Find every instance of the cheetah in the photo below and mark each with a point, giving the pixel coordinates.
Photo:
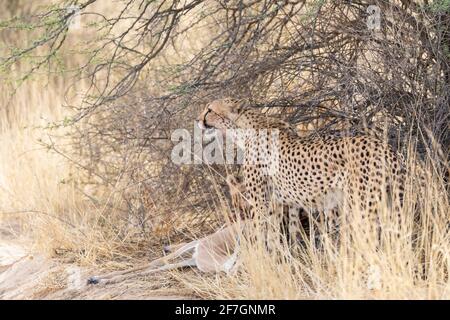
(313, 173)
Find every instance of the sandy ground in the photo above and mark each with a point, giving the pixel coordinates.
(24, 275)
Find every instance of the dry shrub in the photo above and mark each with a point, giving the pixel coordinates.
(310, 62)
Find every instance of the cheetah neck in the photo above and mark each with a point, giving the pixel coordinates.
(251, 119)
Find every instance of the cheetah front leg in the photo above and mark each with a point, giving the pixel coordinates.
(260, 196)
(256, 185)
(239, 201)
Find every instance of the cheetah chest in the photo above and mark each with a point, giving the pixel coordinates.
(308, 185)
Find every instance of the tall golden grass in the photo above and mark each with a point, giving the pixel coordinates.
(41, 191)
(414, 264)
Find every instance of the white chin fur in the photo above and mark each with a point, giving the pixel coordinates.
(210, 134)
(201, 125)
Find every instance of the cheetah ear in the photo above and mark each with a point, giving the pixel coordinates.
(238, 105)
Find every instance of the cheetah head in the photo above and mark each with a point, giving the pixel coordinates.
(220, 114)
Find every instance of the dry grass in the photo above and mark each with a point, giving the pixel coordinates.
(43, 192)
(400, 269)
